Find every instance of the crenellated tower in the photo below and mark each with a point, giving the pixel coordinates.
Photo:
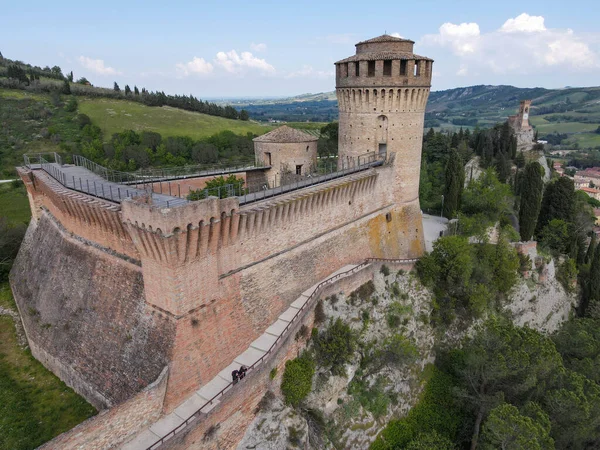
(382, 92)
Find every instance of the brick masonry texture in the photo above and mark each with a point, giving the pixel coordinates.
(85, 316)
(117, 424)
(111, 294)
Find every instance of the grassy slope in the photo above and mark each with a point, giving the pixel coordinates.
(14, 204)
(118, 115)
(35, 405)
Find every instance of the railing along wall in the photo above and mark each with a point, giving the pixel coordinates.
(279, 340)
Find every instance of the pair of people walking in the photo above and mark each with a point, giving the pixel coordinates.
(239, 374)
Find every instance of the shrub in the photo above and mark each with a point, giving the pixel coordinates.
(397, 350)
(385, 270)
(320, 315)
(297, 379)
(273, 373)
(365, 291)
(567, 273)
(335, 346)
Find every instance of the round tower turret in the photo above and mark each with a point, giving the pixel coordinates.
(382, 92)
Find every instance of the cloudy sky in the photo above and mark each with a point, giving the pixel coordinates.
(266, 48)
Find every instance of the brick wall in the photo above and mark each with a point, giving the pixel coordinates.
(85, 315)
(117, 424)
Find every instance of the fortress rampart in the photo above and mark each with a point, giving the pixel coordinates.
(111, 293)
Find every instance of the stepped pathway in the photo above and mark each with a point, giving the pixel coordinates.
(205, 399)
(83, 180)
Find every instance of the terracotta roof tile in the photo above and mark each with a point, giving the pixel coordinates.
(286, 134)
(385, 38)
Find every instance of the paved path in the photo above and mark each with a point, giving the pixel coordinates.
(199, 403)
(81, 179)
(432, 226)
(6, 181)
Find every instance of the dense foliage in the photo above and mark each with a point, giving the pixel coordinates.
(297, 379)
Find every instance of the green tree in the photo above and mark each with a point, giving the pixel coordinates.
(520, 160)
(578, 341)
(70, 77)
(430, 441)
(531, 189)
(589, 255)
(594, 285)
(555, 236)
(127, 89)
(455, 180)
(136, 91)
(84, 81)
(502, 361)
(244, 115)
(557, 203)
(335, 345)
(66, 88)
(506, 265)
(507, 428)
(116, 87)
(297, 379)
(219, 187)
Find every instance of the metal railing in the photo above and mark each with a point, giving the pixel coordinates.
(288, 182)
(311, 299)
(33, 159)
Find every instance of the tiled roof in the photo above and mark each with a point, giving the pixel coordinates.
(385, 38)
(376, 56)
(285, 134)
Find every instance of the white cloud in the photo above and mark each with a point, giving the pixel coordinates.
(397, 35)
(521, 45)
(309, 72)
(258, 47)
(524, 23)
(462, 39)
(195, 66)
(97, 65)
(234, 63)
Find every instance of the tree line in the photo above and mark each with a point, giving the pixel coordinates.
(24, 76)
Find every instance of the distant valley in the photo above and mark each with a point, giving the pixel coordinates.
(569, 116)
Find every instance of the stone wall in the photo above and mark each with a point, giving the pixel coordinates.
(85, 315)
(284, 157)
(226, 272)
(117, 424)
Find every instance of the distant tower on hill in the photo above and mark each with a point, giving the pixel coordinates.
(382, 92)
(520, 125)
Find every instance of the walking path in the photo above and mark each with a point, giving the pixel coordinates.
(205, 399)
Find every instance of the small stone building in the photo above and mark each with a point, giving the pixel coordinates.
(290, 153)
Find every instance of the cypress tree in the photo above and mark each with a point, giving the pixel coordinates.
(594, 280)
(66, 89)
(531, 188)
(558, 203)
(455, 179)
(589, 256)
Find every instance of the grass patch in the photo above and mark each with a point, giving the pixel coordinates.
(35, 405)
(6, 299)
(114, 116)
(14, 204)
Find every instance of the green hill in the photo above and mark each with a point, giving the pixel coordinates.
(571, 111)
(118, 115)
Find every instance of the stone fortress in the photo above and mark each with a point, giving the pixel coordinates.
(141, 304)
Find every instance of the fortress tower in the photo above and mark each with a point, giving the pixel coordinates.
(382, 92)
(521, 127)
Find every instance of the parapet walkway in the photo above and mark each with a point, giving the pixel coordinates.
(207, 397)
(83, 180)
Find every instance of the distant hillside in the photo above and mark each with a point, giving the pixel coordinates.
(568, 116)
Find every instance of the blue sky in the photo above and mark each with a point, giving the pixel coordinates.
(255, 49)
